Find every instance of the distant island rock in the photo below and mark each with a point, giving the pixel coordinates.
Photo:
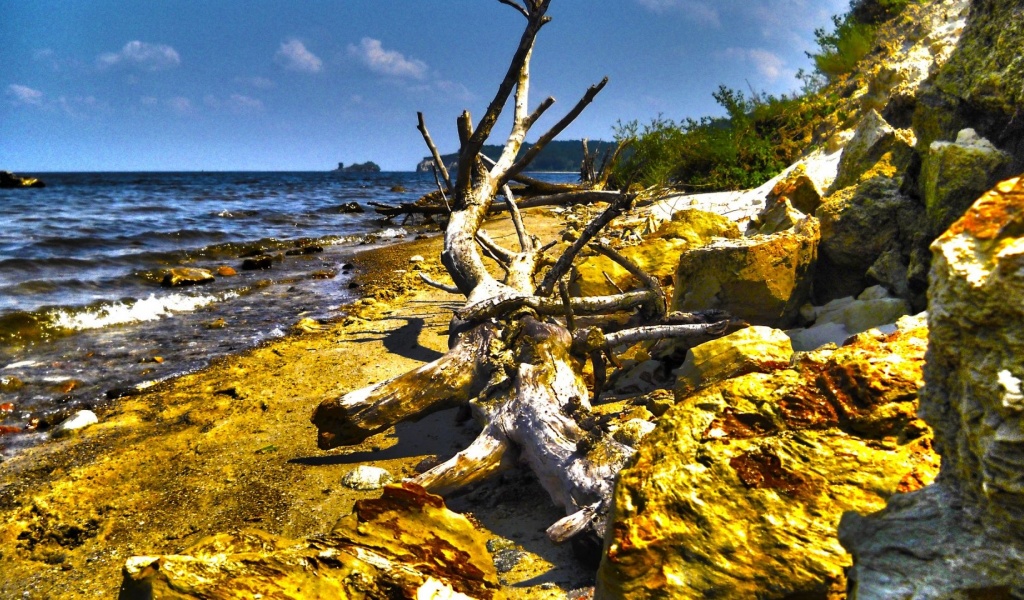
(10, 180)
(366, 167)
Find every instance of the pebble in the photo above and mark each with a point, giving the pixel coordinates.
(226, 271)
(366, 478)
(416, 259)
(79, 420)
(187, 276)
(264, 261)
(506, 560)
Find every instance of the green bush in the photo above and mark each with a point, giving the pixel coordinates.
(759, 137)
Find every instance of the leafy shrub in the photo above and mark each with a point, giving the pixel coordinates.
(759, 137)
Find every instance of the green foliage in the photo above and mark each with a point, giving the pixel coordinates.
(759, 137)
(852, 36)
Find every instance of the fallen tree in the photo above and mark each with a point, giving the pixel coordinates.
(516, 353)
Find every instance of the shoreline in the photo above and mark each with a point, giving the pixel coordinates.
(230, 447)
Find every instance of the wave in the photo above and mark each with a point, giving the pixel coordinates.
(147, 309)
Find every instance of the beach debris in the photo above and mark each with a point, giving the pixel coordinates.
(77, 421)
(182, 276)
(366, 478)
(519, 344)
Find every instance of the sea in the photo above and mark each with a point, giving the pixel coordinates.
(85, 318)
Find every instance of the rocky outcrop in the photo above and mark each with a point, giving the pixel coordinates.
(738, 490)
(405, 544)
(751, 350)
(763, 279)
(963, 536)
(873, 228)
(658, 254)
(955, 174)
(9, 180)
(876, 148)
(840, 319)
(366, 167)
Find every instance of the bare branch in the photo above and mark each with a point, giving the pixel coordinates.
(499, 253)
(543, 141)
(564, 262)
(525, 243)
(611, 282)
(422, 126)
(487, 455)
(649, 282)
(537, 112)
(520, 9)
(496, 306)
(569, 527)
(660, 332)
(570, 320)
(451, 289)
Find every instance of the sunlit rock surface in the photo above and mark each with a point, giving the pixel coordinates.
(405, 544)
(963, 537)
(762, 279)
(738, 491)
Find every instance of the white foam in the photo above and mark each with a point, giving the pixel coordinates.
(21, 363)
(148, 309)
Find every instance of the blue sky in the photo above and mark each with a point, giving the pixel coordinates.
(112, 85)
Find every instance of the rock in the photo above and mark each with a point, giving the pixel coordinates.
(183, 276)
(780, 217)
(256, 263)
(406, 544)
(351, 207)
(954, 174)
(307, 325)
(226, 271)
(876, 148)
(10, 383)
(963, 536)
(366, 167)
(218, 323)
(842, 318)
(981, 85)
(762, 279)
(9, 180)
(859, 225)
(738, 490)
(79, 420)
(750, 350)
(799, 188)
(658, 254)
(416, 259)
(323, 274)
(366, 478)
(398, 189)
(309, 249)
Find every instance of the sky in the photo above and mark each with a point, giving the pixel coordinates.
(279, 85)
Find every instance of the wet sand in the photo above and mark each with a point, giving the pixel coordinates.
(231, 447)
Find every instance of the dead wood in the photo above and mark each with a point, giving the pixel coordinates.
(516, 356)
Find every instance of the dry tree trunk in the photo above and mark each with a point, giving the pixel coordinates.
(511, 360)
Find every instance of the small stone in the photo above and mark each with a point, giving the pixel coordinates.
(11, 384)
(307, 325)
(79, 420)
(506, 560)
(187, 276)
(217, 324)
(323, 274)
(366, 478)
(226, 271)
(416, 259)
(398, 189)
(261, 262)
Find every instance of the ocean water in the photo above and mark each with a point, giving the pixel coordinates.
(84, 318)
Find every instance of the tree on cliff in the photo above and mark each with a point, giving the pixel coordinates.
(516, 353)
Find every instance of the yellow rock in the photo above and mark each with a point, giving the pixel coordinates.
(753, 349)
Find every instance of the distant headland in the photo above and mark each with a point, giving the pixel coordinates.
(366, 167)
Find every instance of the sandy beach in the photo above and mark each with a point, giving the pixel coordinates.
(231, 447)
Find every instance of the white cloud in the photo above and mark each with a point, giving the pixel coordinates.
(768, 64)
(180, 105)
(241, 103)
(260, 83)
(145, 56)
(696, 10)
(387, 62)
(294, 56)
(23, 94)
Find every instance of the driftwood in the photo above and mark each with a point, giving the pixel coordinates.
(516, 357)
